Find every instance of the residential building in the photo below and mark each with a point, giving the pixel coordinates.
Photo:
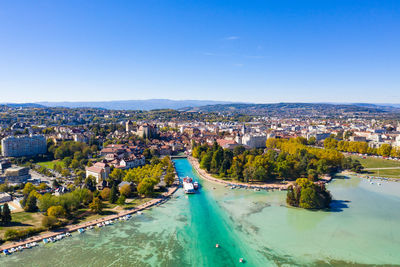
(99, 170)
(25, 145)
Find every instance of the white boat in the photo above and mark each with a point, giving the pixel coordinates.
(188, 186)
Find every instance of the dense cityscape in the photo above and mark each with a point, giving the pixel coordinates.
(199, 133)
(61, 164)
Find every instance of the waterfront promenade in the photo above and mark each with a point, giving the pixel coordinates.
(75, 227)
(208, 177)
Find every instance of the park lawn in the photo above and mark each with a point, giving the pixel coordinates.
(50, 164)
(23, 220)
(371, 162)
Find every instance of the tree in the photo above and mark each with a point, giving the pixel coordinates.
(121, 200)
(169, 178)
(42, 186)
(67, 161)
(96, 205)
(312, 175)
(146, 187)
(205, 162)
(28, 188)
(46, 201)
(126, 190)
(105, 193)
(260, 174)
(49, 222)
(312, 141)
(56, 211)
(90, 183)
(74, 164)
(5, 215)
(384, 150)
(117, 175)
(113, 194)
(308, 198)
(30, 205)
(83, 195)
(65, 173)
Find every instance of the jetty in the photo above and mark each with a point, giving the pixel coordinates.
(75, 227)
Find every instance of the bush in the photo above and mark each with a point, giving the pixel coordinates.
(50, 222)
(13, 234)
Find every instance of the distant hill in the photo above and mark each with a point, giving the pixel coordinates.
(23, 105)
(135, 104)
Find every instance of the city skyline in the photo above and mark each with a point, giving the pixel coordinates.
(266, 52)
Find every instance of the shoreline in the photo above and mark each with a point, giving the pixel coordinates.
(75, 227)
(203, 174)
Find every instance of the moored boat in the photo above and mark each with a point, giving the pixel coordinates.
(188, 186)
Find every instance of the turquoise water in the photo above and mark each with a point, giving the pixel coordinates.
(363, 229)
(9, 206)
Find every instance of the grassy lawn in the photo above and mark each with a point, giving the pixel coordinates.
(50, 164)
(23, 220)
(370, 162)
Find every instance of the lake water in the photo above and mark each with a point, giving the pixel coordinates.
(362, 229)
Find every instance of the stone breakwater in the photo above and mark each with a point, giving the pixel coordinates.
(75, 227)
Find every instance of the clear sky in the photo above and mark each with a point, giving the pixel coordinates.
(256, 51)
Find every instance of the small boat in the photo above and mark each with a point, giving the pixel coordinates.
(241, 260)
(217, 245)
(45, 241)
(81, 230)
(139, 212)
(6, 252)
(196, 185)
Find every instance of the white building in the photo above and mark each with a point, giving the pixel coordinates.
(252, 140)
(24, 145)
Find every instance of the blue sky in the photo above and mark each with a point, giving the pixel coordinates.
(256, 51)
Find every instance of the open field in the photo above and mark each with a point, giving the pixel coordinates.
(23, 220)
(376, 163)
(50, 164)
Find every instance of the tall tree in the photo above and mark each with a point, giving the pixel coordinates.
(6, 215)
(113, 194)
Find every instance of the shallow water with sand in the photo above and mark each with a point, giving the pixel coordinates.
(363, 228)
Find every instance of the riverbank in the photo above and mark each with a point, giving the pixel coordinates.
(75, 227)
(266, 186)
